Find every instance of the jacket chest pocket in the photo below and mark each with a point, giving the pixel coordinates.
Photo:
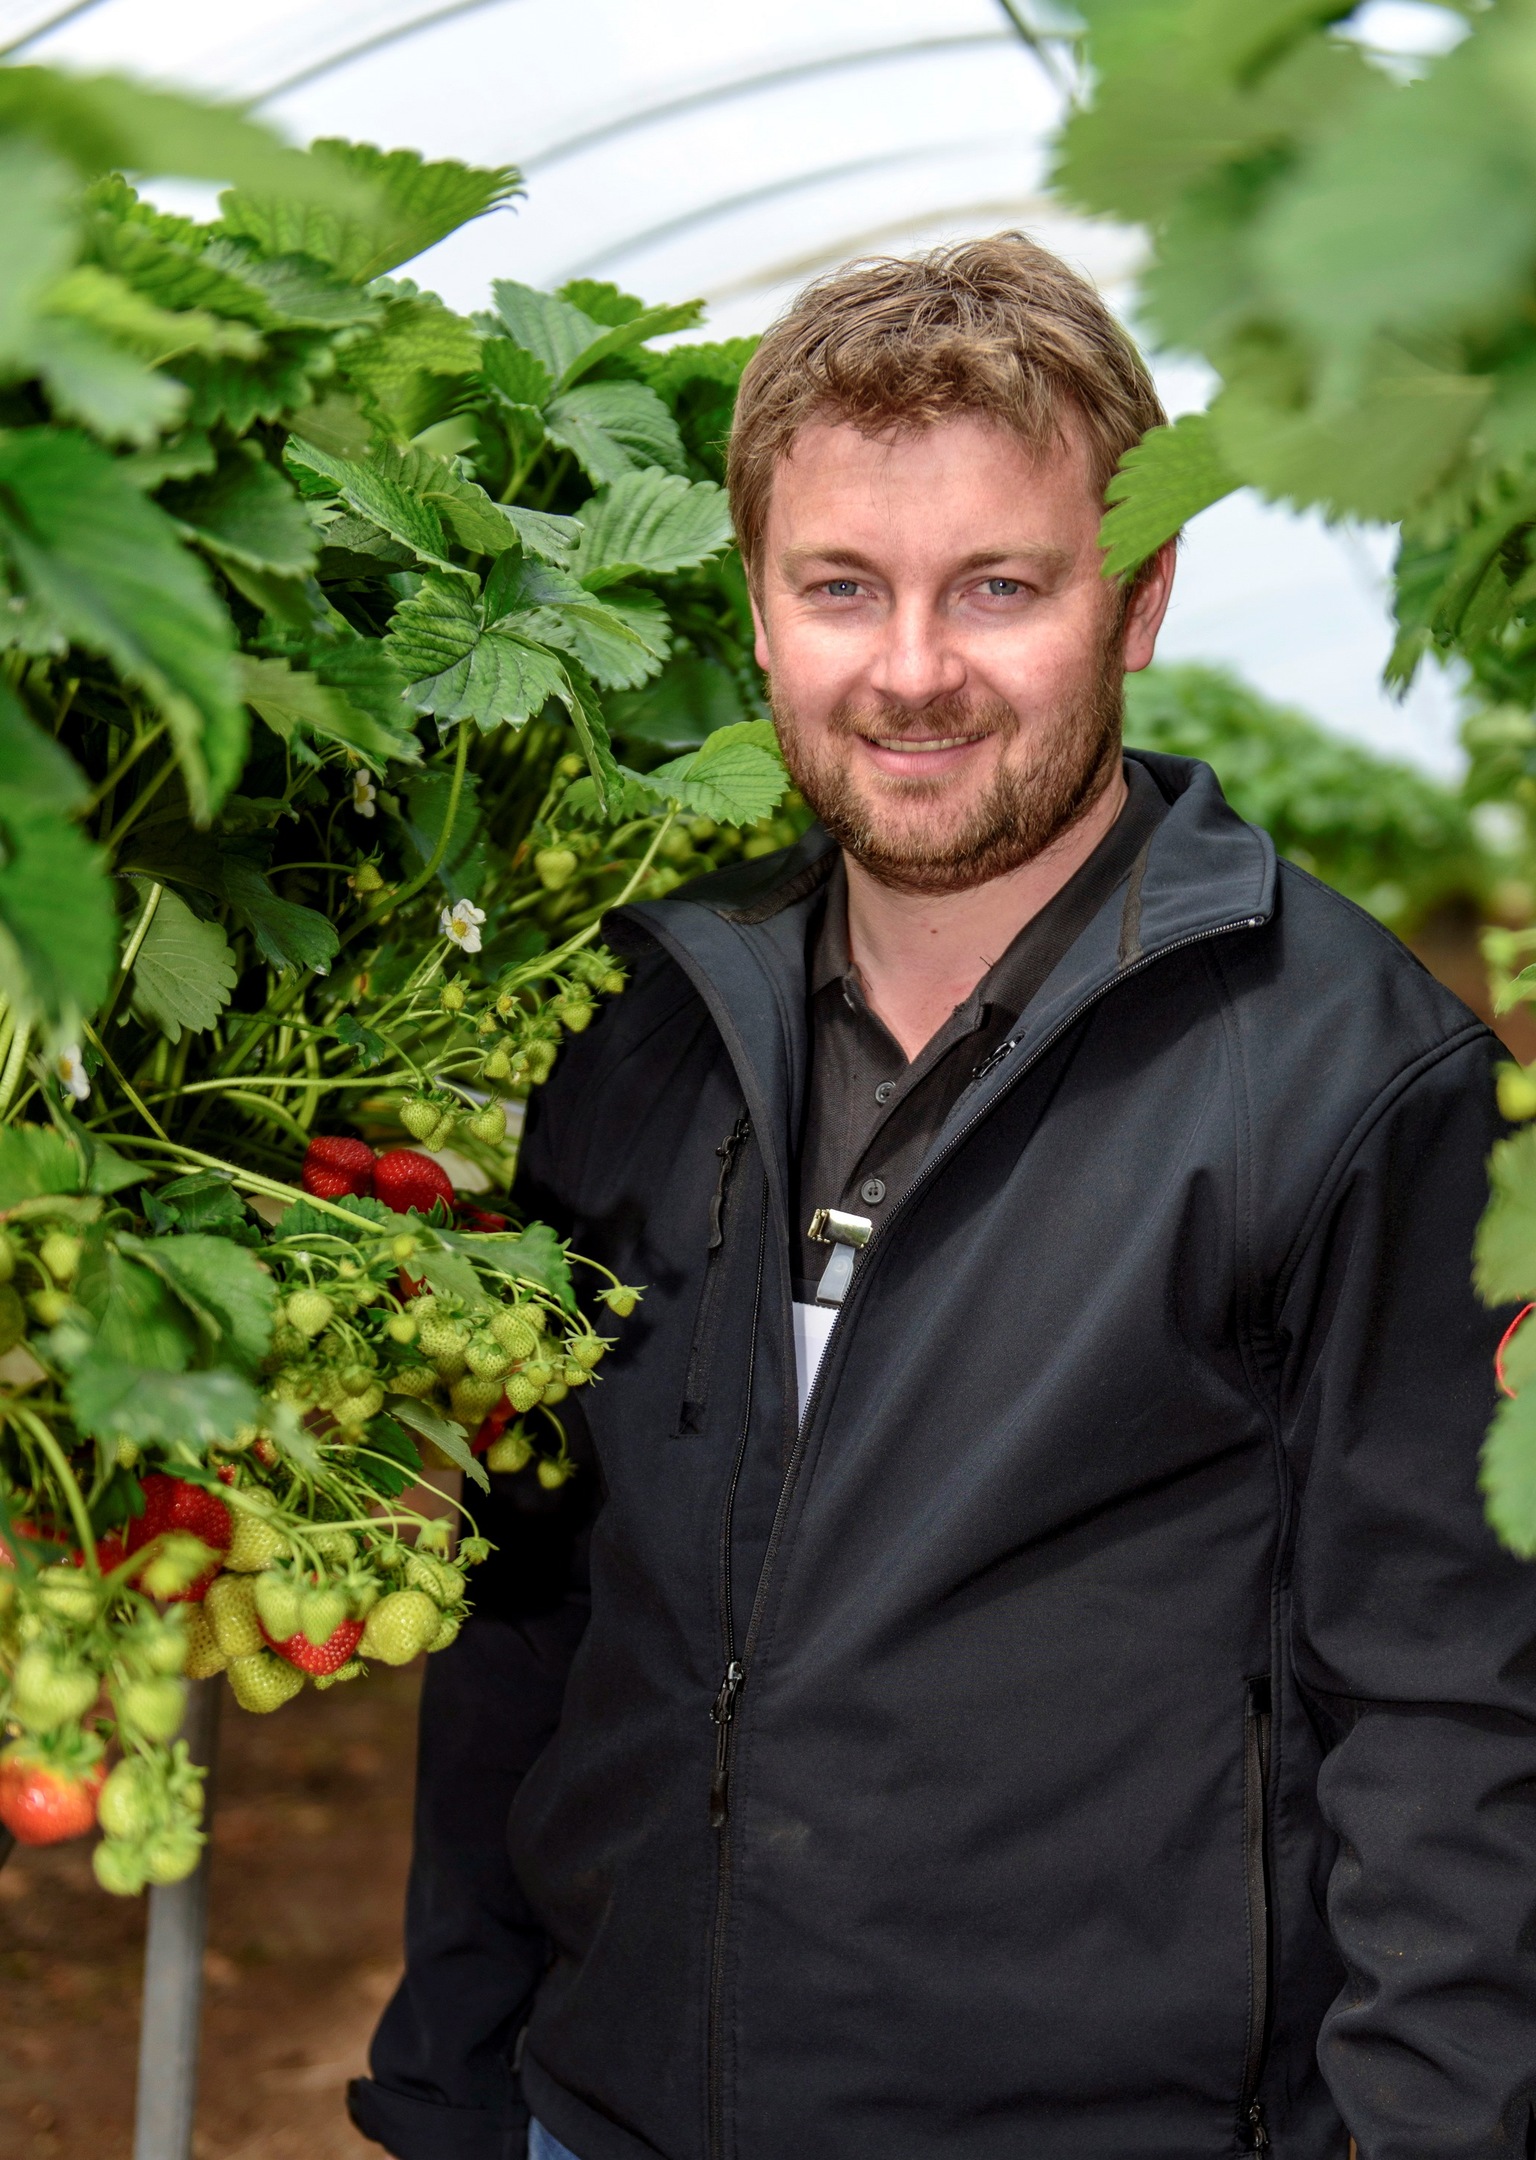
(723, 1210)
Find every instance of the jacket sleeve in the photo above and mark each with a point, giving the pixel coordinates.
(443, 2085)
(1415, 1635)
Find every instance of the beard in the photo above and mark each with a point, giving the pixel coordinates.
(901, 831)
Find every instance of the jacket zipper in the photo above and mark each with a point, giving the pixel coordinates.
(690, 1416)
(722, 1713)
(1256, 1733)
(724, 1708)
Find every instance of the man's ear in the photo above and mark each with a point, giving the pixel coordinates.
(759, 633)
(1146, 608)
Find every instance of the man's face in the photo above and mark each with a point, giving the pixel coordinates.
(946, 658)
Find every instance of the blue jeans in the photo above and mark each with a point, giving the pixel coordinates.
(541, 2146)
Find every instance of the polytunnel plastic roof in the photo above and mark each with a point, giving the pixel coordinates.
(719, 149)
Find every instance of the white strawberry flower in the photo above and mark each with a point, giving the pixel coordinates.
(460, 925)
(364, 794)
(69, 1069)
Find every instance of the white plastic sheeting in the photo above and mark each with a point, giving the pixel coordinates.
(729, 150)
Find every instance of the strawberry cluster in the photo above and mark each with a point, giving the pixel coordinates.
(338, 1167)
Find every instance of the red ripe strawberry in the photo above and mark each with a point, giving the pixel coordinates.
(41, 1803)
(326, 1657)
(492, 1428)
(403, 1180)
(335, 1165)
(170, 1503)
(479, 1219)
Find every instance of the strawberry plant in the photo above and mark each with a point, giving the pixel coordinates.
(1345, 237)
(355, 657)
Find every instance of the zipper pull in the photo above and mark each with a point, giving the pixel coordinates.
(1258, 2136)
(722, 1713)
(727, 1151)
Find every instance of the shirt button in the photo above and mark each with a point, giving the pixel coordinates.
(885, 1091)
(872, 1190)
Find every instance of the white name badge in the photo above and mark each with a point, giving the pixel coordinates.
(813, 1324)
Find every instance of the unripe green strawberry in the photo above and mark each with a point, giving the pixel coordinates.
(153, 1707)
(264, 1682)
(400, 1327)
(474, 1399)
(541, 1062)
(444, 1584)
(231, 1609)
(447, 1628)
(522, 1394)
(182, 1558)
(400, 1627)
(402, 1247)
(204, 1657)
(512, 1330)
(119, 1867)
(255, 1545)
(358, 1379)
(443, 1131)
(277, 1604)
(49, 1306)
(554, 867)
(574, 1375)
(498, 1066)
(7, 1256)
(353, 1411)
(556, 1392)
(574, 1010)
(587, 1350)
(512, 1452)
(490, 1124)
(417, 1380)
(321, 1613)
(47, 1691)
(287, 1344)
(171, 1857)
(552, 1475)
(419, 1116)
(309, 1311)
(451, 997)
(60, 1255)
(352, 1670)
(621, 1299)
(485, 1357)
(68, 1592)
(125, 1453)
(165, 1644)
(539, 1370)
(366, 879)
(336, 1545)
(13, 1318)
(130, 1804)
(612, 982)
(441, 1337)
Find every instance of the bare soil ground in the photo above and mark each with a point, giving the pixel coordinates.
(310, 1848)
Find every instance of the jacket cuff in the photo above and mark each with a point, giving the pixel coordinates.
(413, 2129)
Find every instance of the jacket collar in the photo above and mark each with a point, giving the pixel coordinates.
(742, 938)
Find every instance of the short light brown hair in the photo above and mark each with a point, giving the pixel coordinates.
(998, 327)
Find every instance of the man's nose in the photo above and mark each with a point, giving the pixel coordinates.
(917, 659)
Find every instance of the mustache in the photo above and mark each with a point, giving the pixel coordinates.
(945, 716)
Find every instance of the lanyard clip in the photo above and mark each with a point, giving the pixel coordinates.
(845, 1234)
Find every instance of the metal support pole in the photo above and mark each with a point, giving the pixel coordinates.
(173, 1974)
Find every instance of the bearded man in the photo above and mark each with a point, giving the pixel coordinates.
(1042, 1687)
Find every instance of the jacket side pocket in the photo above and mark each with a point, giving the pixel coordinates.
(1252, 2134)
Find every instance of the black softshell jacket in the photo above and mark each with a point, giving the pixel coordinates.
(1105, 1727)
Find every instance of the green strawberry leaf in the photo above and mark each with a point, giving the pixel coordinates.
(1172, 473)
(612, 428)
(184, 973)
(736, 776)
(185, 1412)
(433, 1426)
(286, 935)
(223, 1286)
(34, 1161)
(246, 512)
(459, 670)
(650, 522)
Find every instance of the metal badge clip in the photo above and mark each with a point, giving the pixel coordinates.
(845, 1234)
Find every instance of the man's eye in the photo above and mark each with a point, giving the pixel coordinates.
(842, 588)
(1003, 588)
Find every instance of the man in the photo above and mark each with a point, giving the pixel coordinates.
(1049, 1688)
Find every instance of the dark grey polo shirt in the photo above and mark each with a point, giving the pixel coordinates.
(871, 1116)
